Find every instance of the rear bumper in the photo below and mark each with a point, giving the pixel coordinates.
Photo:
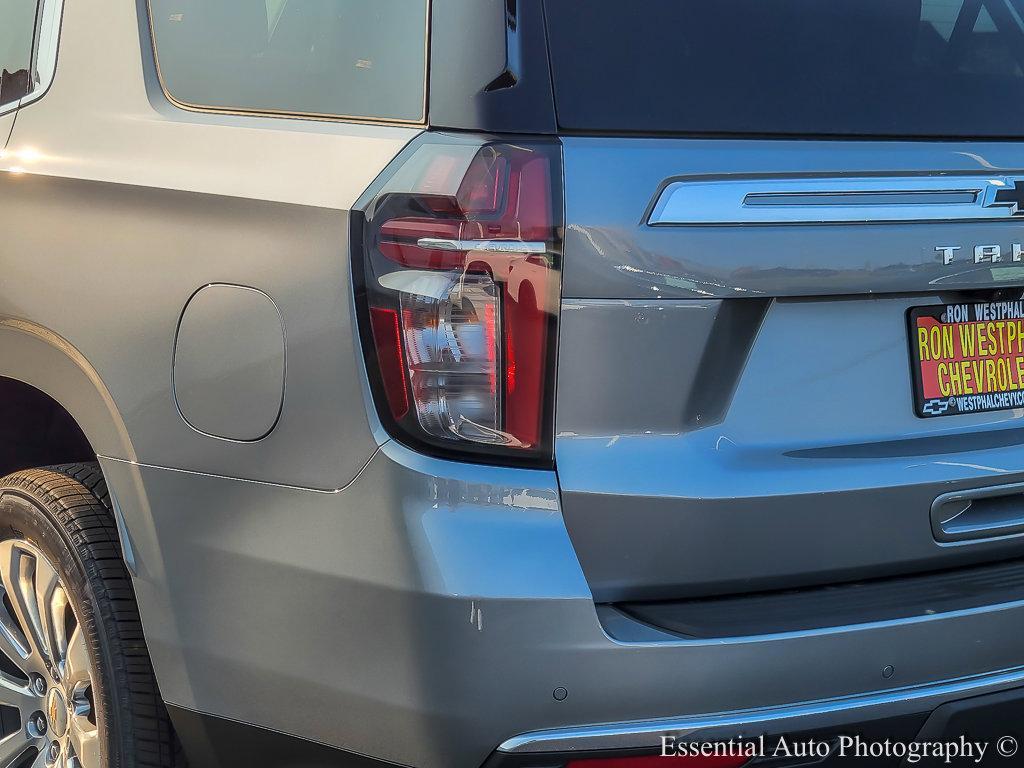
(982, 730)
(852, 712)
(428, 612)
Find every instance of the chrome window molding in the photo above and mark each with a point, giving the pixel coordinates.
(244, 112)
(44, 53)
(701, 201)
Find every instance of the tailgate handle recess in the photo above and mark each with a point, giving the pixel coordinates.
(981, 513)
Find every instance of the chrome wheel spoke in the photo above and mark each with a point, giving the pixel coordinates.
(76, 660)
(57, 610)
(18, 570)
(85, 744)
(15, 693)
(26, 603)
(13, 641)
(46, 583)
(13, 747)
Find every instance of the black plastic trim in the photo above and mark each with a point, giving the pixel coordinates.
(472, 86)
(723, 361)
(989, 719)
(216, 742)
(850, 604)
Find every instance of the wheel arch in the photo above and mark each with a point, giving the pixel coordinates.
(49, 363)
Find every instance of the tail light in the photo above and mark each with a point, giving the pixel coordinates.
(459, 288)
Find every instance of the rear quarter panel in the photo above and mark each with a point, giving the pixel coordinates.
(118, 207)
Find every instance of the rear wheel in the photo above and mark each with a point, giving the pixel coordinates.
(76, 685)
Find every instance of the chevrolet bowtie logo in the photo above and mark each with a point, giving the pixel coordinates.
(1011, 197)
(937, 407)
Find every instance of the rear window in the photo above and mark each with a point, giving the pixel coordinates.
(344, 58)
(928, 68)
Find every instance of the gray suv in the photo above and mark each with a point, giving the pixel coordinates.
(509, 383)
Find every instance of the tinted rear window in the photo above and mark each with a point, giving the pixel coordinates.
(347, 58)
(929, 68)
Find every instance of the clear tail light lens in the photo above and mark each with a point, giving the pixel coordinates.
(459, 288)
(452, 344)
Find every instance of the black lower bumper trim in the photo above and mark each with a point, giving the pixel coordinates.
(215, 742)
(799, 610)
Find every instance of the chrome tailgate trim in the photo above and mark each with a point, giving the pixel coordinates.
(811, 200)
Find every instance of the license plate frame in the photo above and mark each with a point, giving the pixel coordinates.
(969, 334)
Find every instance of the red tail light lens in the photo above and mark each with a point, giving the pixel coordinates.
(459, 284)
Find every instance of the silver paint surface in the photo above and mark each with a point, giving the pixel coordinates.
(443, 602)
(326, 570)
(819, 471)
(228, 371)
(612, 185)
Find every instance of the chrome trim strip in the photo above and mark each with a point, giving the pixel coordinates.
(702, 201)
(490, 246)
(45, 54)
(647, 734)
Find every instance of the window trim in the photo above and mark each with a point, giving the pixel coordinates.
(49, 17)
(291, 114)
(47, 41)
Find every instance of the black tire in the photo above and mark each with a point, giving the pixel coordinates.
(65, 512)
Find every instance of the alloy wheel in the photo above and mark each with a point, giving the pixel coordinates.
(49, 679)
